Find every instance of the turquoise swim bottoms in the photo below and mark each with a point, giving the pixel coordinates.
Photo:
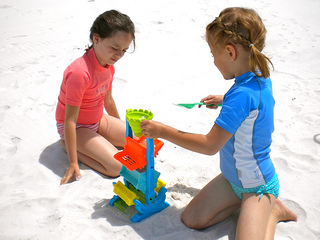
(271, 187)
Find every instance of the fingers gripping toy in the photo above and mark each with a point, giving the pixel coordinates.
(142, 186)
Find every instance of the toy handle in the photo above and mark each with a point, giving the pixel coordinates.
(201, 103)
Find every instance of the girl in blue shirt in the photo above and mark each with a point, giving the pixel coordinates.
(241, 133)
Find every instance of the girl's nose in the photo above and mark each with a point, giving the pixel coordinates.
(120, 53)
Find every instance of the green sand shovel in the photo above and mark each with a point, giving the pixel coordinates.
(191, 105)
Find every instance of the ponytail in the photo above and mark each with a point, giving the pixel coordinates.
(258, 62)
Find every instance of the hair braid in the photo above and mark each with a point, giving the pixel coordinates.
(241, 26)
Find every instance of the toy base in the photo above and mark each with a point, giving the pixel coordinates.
(140, 216)
(146, 210)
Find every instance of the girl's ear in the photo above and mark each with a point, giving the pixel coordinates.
(231, 51)
(95, 38)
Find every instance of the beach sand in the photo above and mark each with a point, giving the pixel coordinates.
(171, 64)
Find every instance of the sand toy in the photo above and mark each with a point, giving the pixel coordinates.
(142, 187)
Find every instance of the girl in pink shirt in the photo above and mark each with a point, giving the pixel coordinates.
(87, 134)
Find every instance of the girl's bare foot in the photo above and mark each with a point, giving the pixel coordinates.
(283, 213)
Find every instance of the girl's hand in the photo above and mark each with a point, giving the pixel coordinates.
(212, 101)
(73, 170)
(151, 129)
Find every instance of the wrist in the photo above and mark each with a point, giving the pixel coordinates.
(73, 163)
(162, 131)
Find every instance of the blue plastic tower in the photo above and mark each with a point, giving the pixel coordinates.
(150, 201)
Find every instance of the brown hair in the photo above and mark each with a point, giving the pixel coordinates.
(108, 23)
(241, 26)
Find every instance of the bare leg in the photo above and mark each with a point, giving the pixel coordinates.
(279, 213)
(96, 150)
(254, 215)
(93, 149)
(91, 162)
(214, 203)
(113, 129)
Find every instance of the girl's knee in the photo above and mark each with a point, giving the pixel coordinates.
(186, 220)
(113, 175)
(190, 221)
(114, 172)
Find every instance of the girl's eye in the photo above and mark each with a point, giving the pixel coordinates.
(117, 50)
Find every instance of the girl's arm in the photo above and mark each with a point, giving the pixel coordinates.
(110, 105)
(71, 116)
(208, 144)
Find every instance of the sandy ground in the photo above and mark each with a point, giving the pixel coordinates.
(171, 64)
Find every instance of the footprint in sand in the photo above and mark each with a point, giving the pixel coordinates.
(14, 145)
(2, 111)
(5, 6)
(9, 145)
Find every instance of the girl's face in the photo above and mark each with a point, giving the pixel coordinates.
(221, 61)
(109, 50)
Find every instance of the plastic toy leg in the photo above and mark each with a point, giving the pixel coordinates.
(113, 199)
(145, 211)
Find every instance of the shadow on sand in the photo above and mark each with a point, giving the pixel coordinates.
(55, 158)
(165, 224)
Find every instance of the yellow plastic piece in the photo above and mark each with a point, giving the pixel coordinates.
(160, 184)
(124, 193)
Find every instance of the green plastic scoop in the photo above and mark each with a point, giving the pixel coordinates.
(191, 105)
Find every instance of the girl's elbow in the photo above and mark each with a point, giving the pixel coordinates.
(210, 151)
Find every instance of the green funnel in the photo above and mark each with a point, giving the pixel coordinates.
(134, 118)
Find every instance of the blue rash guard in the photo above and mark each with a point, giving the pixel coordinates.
(247, 113)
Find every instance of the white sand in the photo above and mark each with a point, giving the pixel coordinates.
(171, 64)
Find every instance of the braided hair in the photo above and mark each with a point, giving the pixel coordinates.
(241, 26)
